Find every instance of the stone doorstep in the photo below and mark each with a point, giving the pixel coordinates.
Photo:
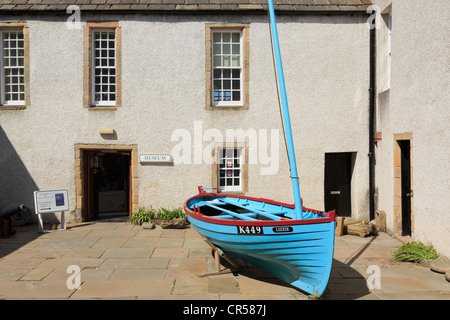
(440, 265)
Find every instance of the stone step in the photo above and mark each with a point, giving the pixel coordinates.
(441, 264)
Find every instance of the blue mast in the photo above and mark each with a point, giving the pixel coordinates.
(286, 118)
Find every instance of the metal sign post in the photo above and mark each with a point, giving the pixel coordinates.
(48, 202)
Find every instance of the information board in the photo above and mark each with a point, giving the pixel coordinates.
(51, 201)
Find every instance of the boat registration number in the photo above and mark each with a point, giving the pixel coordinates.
(252, 230)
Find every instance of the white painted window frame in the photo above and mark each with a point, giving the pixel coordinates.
(240, 68)
(105, 103)
(2, 73)
(232, 168)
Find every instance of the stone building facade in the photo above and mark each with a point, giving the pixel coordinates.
(96, 96)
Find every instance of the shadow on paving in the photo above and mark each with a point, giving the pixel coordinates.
(345, 282)
(23, 236)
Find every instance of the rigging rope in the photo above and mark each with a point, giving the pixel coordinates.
(278, 90)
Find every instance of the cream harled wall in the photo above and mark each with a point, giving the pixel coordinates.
(417, 104)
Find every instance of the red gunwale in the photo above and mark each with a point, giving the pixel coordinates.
(327, 216)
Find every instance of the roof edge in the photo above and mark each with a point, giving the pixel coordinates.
(187, 8)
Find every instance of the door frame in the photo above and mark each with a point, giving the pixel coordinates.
(398, 219)
(82, 176)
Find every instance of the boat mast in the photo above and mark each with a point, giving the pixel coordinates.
(286, 118)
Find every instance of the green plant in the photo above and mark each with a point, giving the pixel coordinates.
(415, 252)
(141, 216)
(168, 214)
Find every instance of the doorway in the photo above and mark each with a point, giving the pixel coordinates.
(107, 180)
(405, 165)
(403, 193)
(338, 177)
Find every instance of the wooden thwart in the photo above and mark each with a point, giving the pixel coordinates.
(217, 254)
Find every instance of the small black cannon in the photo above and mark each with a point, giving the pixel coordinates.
(7, 220)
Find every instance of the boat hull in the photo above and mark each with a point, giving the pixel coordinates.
(299, 252)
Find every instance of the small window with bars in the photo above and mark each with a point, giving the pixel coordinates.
(12, 68)
(230, 169)
(227, 68)
(103, 68)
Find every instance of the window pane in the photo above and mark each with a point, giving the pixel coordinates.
(217, 61)
(216, 36)
(226, 61)
(226, 37)
(217, 49)
(226, 49)
(226, 96)
(236, 37)
(236, 61)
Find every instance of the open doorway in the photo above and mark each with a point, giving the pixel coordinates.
(110, 176)
(403, 182)
(107, 183)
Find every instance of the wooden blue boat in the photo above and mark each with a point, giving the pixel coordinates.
(291, 242)
(265, 234)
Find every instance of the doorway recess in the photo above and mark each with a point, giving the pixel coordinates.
(106, 181)
(403, 185)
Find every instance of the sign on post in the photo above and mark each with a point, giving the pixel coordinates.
(51, 201)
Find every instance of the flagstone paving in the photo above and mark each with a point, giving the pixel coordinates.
(117, 260)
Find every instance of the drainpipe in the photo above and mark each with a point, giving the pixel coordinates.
(372, 122)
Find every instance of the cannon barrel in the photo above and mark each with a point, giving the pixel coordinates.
(7, 214)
